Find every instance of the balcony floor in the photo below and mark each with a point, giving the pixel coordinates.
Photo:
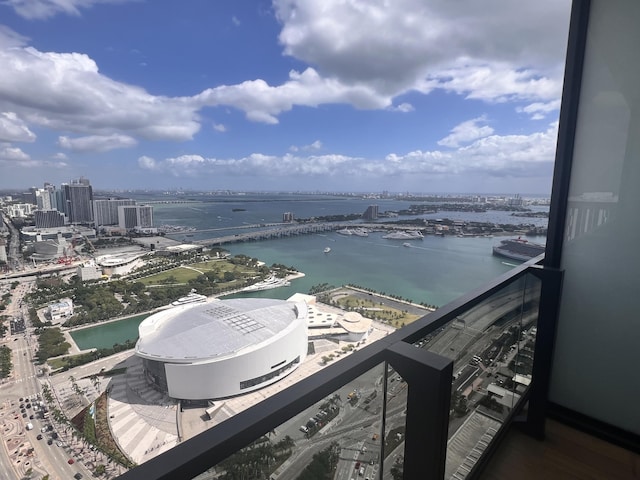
(565, 454)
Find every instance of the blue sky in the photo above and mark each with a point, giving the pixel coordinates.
(328, 95)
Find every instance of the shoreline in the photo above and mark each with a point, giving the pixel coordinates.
(74, 349)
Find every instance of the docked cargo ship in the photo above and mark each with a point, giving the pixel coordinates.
(518, 249)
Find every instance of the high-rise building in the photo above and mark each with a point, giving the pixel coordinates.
(48, 218)
(371, 213)
(287, 217)
(79, 198)
(60, 202)
(105, 211)
(135, 216)
(3, 251)
(30, 196)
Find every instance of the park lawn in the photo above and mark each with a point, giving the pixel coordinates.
(175, 275)
(182, 274)
(392, 316)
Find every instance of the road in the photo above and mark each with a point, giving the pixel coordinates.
(21, 449)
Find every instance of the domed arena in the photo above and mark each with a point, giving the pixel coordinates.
(222, 348)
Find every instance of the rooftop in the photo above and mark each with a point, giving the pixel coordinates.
(217, 328)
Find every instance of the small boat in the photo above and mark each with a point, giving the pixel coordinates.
(327, 249)
(406, 244)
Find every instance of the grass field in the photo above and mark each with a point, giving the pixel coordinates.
(182, 274)
(371, 309)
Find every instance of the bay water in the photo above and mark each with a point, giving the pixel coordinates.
(434, 270)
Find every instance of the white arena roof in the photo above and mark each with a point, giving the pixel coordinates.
(215, 329)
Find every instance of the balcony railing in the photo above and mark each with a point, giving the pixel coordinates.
(427, 401)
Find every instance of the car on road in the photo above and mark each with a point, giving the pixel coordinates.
(77, 476)
(39, 437)
(71, 461)
(49, 442)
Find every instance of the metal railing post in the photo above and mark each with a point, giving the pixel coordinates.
(428, 377)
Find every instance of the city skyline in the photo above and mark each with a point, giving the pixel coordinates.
(282, 95)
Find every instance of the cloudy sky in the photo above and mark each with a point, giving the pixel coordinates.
(341, 95)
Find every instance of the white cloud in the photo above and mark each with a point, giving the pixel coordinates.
(66, 91)
(256, 164)
(59, 156)
(13, 129)
(394, 50)
(539, 110)
(96, 143)
(14, 157)
(494, 82)
(403, 107)
(219, 127)
(493, 155)
(41, 9)
(13, 154)
(364, 54)
(466, 132)
(235, 21)
(10, 38)
(317, 145)
(147, 163)
(262, 102)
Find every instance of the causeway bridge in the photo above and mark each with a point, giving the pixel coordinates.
(266, 231)
(269, 231)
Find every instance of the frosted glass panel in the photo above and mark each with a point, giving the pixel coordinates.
(597, 354)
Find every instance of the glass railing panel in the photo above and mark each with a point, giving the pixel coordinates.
(519, 362)
(491, 345)
(338, 435)
(395, 424)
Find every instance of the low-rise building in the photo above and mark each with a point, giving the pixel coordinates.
(89, 271)
(61, 310)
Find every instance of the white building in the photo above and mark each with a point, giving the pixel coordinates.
(61, 310)
(20, 209)
(89, 271)
(3, 251)
(119, 264)
(222, 348)
(105, 211)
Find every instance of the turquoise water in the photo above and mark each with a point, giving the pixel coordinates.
(435, 270)
(108, 334)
